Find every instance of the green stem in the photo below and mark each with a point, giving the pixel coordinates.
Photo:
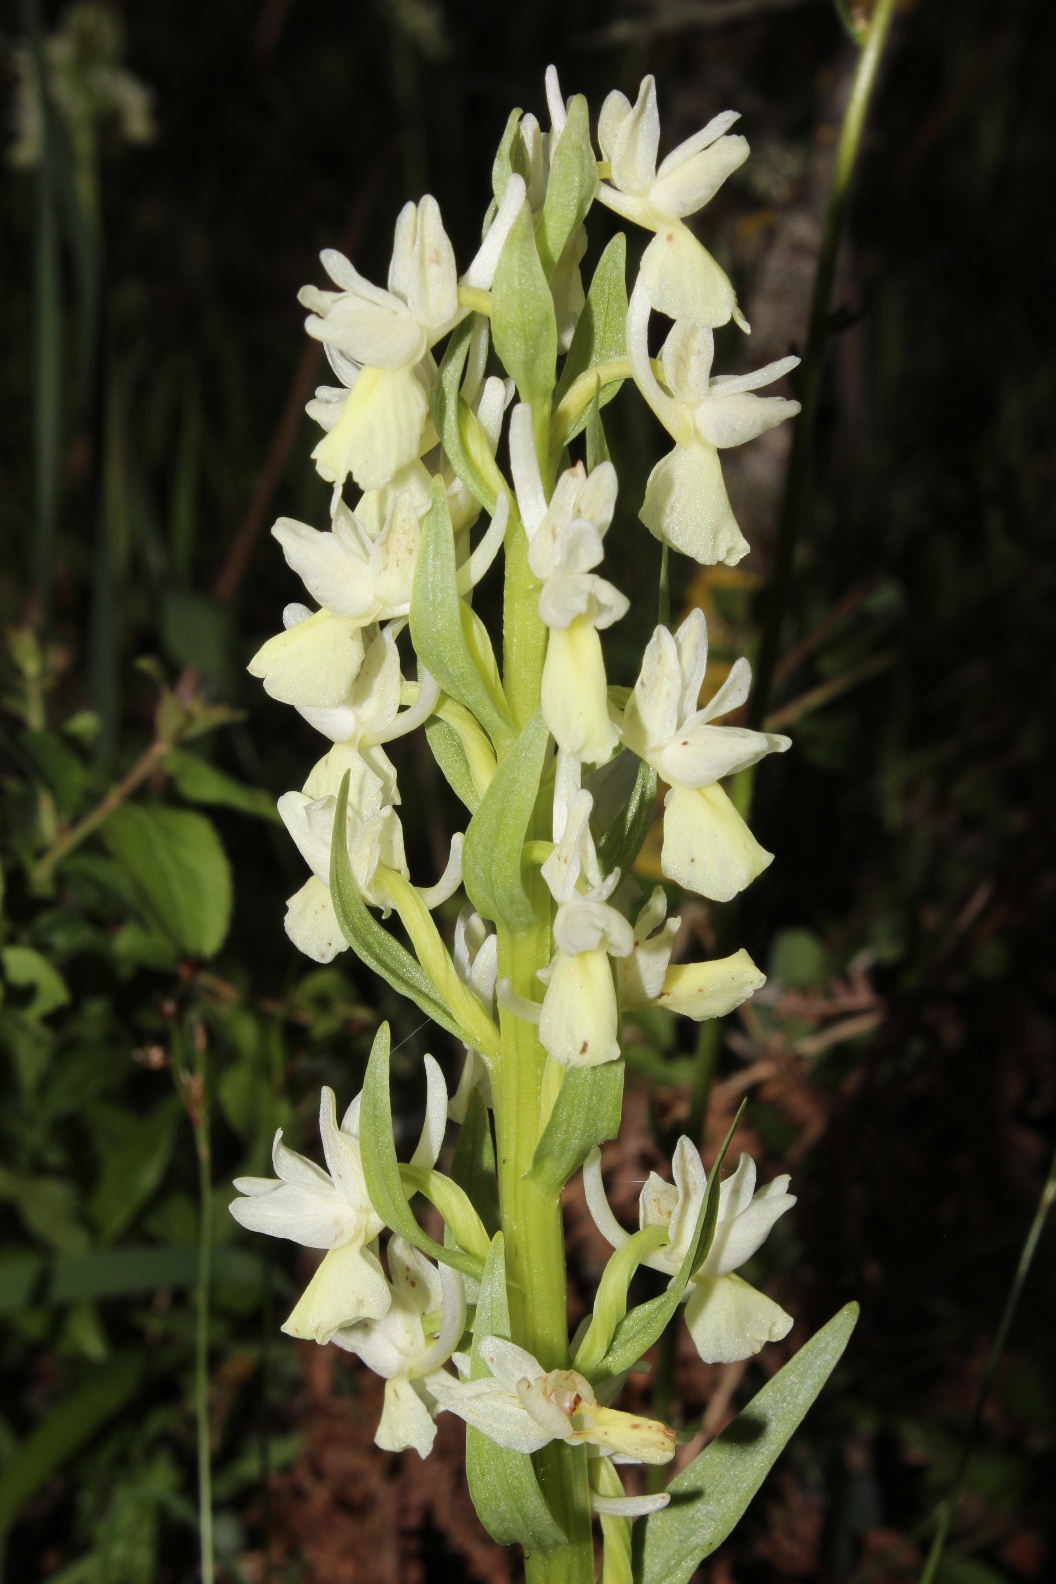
(1026, 1258)
(531, 1214)
(147, 762)
(203, 1141)
(798, 488)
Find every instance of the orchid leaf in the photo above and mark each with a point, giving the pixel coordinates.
(711, 1493)
(382, 1169)
(586, 1112)
(523, 322)
(437, 625)
(491, 859)
(571, 186)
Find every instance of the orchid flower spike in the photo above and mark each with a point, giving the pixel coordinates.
(707, 846)
(686, 505)
(727, 1318)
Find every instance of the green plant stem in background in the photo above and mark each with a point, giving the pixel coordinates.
(118, 794)
(797, 492)
(192, 1083)
(47, 341)
(1026, 1259)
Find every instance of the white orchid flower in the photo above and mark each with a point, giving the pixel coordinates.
(696, 990)
(373, 833)
(332, 1210)
(707, 846)
(579, 1020)
(405, 1346)
(352, 573)
(686, 504)
(313, 662)
(683, 279)
(379, 342)
(371, 713)
(728, 1319)
(524, 1407)
(565, 537)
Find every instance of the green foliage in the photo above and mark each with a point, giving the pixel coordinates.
(174, 866)
(709, 1496)
(438, 624)
(523, 322)
(381, 1167)
(570, 188)
(587, 1111)
(491, 859)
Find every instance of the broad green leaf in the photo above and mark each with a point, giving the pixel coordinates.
(49, 1206)
(176, 868)
(645, 1323)
(196, 631)
(503, 1484)
(58, 767)
(134, 1153)
(491, 859)
(523, 323)
(382, 1169)
(622, 841)
(371, 942)
(709, 1496)
(95, 1274)
(601, 332)
(456, 424)
(200, 782)
(473, 1162)
(571, 186)
(76, 1417)
(446, 747)
(437, 629)
(26, 970)
(586, 1112)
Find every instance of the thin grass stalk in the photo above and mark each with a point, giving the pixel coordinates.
(203, 1142)
(1026, 1258)
(47, 341)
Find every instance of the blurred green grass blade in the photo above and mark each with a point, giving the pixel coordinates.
(94, 1274)
(47, 346)
(62, 1433)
